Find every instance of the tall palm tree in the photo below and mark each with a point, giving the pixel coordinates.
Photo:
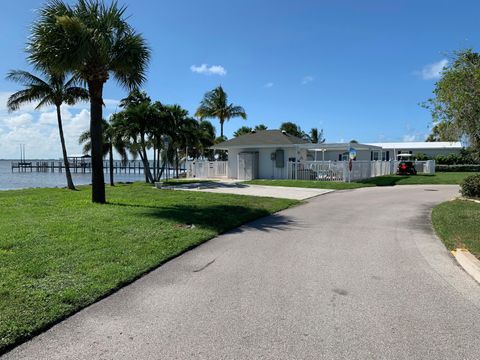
(215, 105)
(135, 123)
(316, 136)
(53, 91)
(94, 41)
(112, 139)
(205, 138)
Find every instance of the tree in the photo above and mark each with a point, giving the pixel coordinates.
(182, 132)
(316, 136)
(292, 129)
(205, 139)
(215, 105)
(260, 127)
(242, 131)
(353, 141)
(456, 96)
(94, 41)
(136, 123)
(444, 131)
(54, 90)
(112, 139)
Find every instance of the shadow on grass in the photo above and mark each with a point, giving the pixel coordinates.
(219, 218)
(391, 180)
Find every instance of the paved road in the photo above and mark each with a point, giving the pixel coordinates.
(350, 275)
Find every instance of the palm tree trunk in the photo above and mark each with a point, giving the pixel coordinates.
(146, 165)
(221, 128)
(110, 152)
(159, 175)
(176, 164)
(68, 174)
(154, 162)
(95, 89)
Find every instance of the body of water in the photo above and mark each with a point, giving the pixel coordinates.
(22, 180)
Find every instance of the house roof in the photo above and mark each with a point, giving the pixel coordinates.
(420, 145)
(262, 138)
(340, 146)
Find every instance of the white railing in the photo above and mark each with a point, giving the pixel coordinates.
(316, 170)
(207, 169)
(339, 170)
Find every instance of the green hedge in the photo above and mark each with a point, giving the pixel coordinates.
(470, 187)
(457, 168)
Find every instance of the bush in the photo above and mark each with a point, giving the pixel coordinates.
(457, 168)
(465, 156)
(470, 187)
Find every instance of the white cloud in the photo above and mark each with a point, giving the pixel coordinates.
(209, 70)
(409, 137)
(433, 71)
(307, 79)
(268, 85)
(18, 121)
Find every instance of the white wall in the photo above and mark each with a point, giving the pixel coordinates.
(266, 166)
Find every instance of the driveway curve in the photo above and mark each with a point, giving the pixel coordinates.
(349, 275)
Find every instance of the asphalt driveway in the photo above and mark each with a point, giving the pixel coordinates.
(349, 275)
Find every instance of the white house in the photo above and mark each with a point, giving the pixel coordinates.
(272, 154)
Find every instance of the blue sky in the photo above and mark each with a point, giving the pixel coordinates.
(357, 69)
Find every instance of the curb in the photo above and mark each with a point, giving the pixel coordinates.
(468, 262)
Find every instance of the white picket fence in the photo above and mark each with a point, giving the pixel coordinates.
(207, 169)
(339, 170)
(313, 170)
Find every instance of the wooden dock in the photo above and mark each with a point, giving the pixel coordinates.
(119, 167)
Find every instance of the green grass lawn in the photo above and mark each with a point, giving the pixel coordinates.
(59, 252)
(457, 224)
(388, 180)
(437, 178)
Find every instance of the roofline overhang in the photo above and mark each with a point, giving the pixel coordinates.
(307, 146)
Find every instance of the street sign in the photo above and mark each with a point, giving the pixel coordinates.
(352, 153)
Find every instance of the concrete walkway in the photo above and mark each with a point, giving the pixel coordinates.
(350, 275)
(239, 188)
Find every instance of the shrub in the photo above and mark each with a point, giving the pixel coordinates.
(457, 168)
(470, 187)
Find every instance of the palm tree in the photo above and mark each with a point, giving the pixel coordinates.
(94, 41)
(260, 127)
(135, 123)
(205, 138)
(54, 90)
(215, 105)
(316, 136)
(242, 131)
(112, 139)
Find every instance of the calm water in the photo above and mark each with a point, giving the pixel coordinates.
(23, 180)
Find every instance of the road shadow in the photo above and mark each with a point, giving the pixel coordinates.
(220, 218)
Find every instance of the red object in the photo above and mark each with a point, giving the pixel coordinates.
(350, 165)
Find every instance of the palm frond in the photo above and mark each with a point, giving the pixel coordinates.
(16, 100)
(25, 78)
